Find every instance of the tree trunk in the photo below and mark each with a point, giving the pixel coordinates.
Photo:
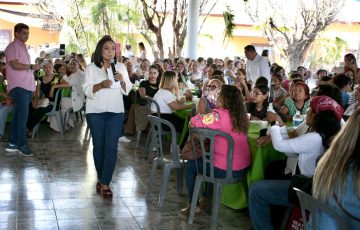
(160, 44)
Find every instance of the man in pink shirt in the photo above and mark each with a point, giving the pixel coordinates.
(21, 84)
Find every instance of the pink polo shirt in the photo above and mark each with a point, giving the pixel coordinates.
(219, 119)
(18, 78)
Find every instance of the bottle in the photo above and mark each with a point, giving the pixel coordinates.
(271, 108)
(297, 119)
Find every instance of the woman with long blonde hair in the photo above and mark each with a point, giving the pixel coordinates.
(337, 176)
(168, 100)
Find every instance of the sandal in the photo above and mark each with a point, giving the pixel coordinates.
(98, 187)
(106, 193)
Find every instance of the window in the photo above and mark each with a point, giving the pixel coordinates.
(5, 36)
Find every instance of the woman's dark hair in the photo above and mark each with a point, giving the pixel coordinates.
(264, 89)
(183, 73)
(262, 81)
(351, 57)
(329, 90)
(320, 71)
(209, 61)
(98, 50)
(57, 67)
(141, 45)
(327, 125)
(278, 69)
(160, 71)
(243, 71)
(217, 72)
(278, 76)
(234, 102)
(341, 80)
(214, 66)
(325, 78)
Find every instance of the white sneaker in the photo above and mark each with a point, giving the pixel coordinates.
(124, 139)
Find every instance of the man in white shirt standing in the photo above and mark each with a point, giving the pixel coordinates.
(256, 65)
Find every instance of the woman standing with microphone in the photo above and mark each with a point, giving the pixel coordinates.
(104, 89)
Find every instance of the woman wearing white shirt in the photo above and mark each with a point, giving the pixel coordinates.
(105, 110)
(77, 99)
(168, 100)
(323, 118)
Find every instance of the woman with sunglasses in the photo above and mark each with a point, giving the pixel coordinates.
(208, 101)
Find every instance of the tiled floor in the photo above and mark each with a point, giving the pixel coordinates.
(55, 189)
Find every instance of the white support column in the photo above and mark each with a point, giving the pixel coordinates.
(192, 29)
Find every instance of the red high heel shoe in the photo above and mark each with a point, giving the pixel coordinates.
(106, 193)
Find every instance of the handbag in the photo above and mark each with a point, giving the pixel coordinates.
(304, 183)
(187, 151)
(295, 220)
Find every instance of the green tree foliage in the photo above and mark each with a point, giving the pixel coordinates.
(92, 19)
(326, 52)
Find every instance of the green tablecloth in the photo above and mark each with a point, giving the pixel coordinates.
(233, 195)
(184, 114)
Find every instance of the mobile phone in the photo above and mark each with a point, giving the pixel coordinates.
(62, 49)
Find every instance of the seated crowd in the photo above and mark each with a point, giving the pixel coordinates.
(223, 96)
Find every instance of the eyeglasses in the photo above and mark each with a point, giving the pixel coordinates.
(211, 87)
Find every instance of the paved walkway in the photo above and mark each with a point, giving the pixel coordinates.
(55, 189)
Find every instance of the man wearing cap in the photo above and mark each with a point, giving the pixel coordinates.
(21, 84)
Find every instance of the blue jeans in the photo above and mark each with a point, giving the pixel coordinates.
(263, 194)
(22, 98)
(105, 130)
(191, 173)
(4, 111)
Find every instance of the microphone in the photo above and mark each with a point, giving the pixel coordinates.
(112, 64)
